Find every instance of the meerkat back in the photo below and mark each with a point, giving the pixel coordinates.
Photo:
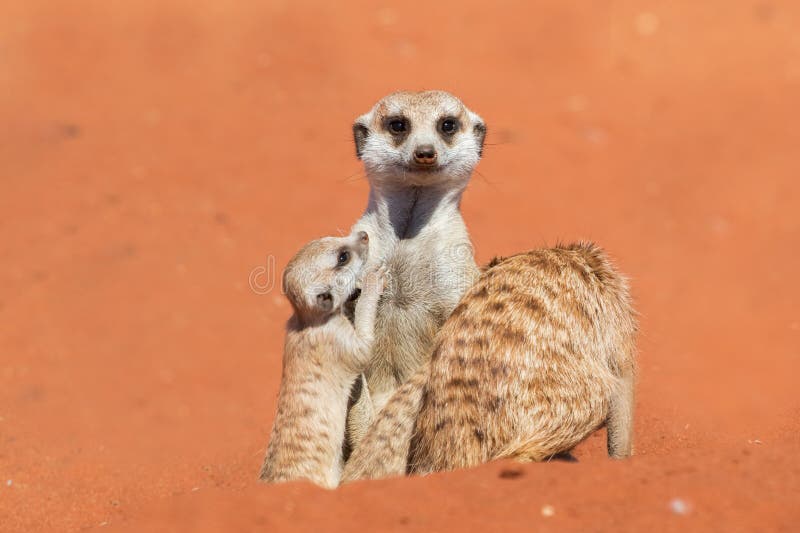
(539, 353)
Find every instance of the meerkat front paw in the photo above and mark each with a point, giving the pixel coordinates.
(367, 308)
(375, 280)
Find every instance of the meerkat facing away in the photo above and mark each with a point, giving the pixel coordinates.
(539, 353)
(419, 150)
(324, 353)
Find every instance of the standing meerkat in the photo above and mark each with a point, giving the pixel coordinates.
(324, 353)
(419, 150)
(539, 353)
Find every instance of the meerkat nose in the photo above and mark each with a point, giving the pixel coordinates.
(425, 154)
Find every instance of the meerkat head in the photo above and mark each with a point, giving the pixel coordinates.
(419, 138)
(325, 274)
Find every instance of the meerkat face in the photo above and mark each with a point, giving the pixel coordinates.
(325, 274)
(416, 139)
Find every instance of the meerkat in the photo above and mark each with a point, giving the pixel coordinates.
(324, 353)
(419, 150)
(539, 354)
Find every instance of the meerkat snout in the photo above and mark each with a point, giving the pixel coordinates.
(325, 301)
(425, 155)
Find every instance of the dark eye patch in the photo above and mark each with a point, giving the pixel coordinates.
(449, 125)
(343, 258)
(398, 127)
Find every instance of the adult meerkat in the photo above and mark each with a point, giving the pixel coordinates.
(324, 353)
(539, 353)
(419, 150)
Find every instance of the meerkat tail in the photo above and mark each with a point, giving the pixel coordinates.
(620, 418)
(384, 450)
(361, 414)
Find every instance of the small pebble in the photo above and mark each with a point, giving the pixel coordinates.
(548, 511)
(679, 506)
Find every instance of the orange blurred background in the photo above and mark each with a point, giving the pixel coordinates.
(154, 154)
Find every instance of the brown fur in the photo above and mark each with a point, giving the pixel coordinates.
(539, 353)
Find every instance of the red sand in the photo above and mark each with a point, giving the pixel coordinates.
(152, 154)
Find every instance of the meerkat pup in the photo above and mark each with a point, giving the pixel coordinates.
(419, 150)
(324, 353)
(539, 353)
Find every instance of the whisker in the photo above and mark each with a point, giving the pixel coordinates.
(489, 182)
(355, 176)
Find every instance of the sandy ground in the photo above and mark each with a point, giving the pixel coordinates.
(155, 154)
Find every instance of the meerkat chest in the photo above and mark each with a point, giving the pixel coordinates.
(422, 268)
(427, 279)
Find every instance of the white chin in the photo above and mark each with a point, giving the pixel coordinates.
(403, 175)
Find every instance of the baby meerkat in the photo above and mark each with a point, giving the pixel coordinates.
(539, 353)
(324, 353)
(419, 150)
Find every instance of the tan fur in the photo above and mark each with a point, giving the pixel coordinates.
(416, 228)
(324, 353)
(539, 353)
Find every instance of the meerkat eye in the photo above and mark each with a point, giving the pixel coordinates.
(448, 126)
(398, 125)
(343, 259)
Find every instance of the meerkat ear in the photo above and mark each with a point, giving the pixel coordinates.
(325, 301)
(479, 130)
(496, 260)
(360, 133)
